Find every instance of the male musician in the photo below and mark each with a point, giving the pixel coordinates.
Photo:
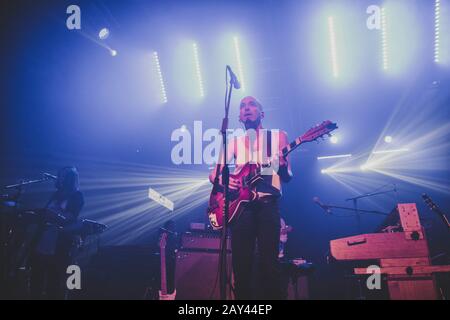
(52, 253)
(259, 223)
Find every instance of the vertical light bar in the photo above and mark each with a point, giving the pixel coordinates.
(384, 46)
(437, 17)
(333, 46)
(239, 62)
(161, 79)
(198, 71)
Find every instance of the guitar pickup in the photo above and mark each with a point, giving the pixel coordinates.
(355, 243)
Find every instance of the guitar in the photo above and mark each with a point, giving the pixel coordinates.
(163, 295)
(433, 207)
(249, 176)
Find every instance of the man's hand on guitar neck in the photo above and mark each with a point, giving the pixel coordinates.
(282, 161)
(284, 170)
(279, 160)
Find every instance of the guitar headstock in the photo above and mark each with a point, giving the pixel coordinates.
(163, 240)
(319, 131)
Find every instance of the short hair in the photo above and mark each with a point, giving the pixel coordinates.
(260, 107)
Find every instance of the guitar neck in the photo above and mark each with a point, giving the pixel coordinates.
(291, 146)
(163, 273)
(441, 214)
(433, 207)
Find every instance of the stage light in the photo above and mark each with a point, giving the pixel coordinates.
(384, 43)
(390, 151)
(239, 62)
(103, 34)
(334, 139)
(388, 139)
(334, 157)
(437, 17)
(401, 37)
(198, 71)
(332, 36)
(161, 79)
(335, 49)
(118, 195)
(135, 199)
(183, 128)
(421, 161)
(113, 52)
(333, 170)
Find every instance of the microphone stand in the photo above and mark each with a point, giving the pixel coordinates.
(355, 204)
(25, 183)
(356, 210)
(225, 183)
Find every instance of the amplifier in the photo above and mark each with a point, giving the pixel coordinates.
(203, 241)
(197, 277)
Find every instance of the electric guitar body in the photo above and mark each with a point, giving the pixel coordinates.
(249, 175)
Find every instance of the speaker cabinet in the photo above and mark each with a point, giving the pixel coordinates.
(298, 288)
(197, 275)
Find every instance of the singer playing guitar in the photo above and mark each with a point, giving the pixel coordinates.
(259, 223)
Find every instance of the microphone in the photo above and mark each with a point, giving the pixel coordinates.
(49, 176)
(234, 79)
(320, 204)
